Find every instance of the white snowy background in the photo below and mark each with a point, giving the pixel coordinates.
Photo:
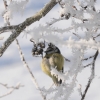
(12, 70)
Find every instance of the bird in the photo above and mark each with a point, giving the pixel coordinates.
(53, 58)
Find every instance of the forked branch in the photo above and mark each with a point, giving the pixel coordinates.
(91, 77)
(19, 28)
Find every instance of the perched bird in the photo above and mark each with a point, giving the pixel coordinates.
(53, 58)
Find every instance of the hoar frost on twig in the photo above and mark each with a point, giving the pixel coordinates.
(78, 47)
(29, 70)
(11, 89)
(14, 6)
(19, 28)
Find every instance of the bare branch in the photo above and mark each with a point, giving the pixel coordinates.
(7, 28)
(77, 35)
(29, 70)
(91, 77)
(87, 65)
(96, 36)
(89, 57)
(66, 59)
(19, 28)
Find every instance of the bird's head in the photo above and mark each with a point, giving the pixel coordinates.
(52, 49)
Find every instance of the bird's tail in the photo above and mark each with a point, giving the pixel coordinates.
(55, 80)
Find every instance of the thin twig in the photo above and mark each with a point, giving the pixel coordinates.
(6, 18)
(91, 77)
(87, 65)
(12, 88)
(96, 36)
(66, 59)
(54, 20)
(29, 70)
(77, 35)
(88, 58)
(19, 28)
(5, 85)
(9, 92)
(23, 60)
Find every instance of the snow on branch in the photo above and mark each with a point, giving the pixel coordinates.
(54, 20)
(61, 92)
(83, 43)
(29, 70)
(11, 88)
(91, 22)
(17, 6)
(19, 28)
(59, 75)
(48, 33)
(11, 8)
(91, 76)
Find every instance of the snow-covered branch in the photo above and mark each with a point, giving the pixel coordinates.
(29, 70)
(19, 28)
(54, 20)
(83, 16)
(11, 88)
(84, 43)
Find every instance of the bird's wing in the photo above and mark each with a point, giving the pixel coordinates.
(57, 61)
(46, 66)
